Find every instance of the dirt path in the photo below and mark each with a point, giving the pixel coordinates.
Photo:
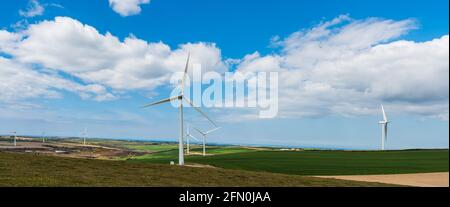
(200, 166)
(418, 179)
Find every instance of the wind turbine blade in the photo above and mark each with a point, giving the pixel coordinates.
(161, 101)
(198, 130)
(199, 111)
(185, 73)
(384, 113)
(213, 130)
(191, 136)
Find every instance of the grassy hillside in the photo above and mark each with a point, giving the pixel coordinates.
(40, 170)
(323, 162)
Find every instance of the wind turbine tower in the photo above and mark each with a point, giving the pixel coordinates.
(384, 128)
(15, 138)
(189, 136)
(84, 136)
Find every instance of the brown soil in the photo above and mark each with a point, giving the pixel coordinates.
(67, 150)
(418, 179)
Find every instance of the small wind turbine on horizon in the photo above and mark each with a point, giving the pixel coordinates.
(180, 99)
(204, 137)
(84, 134)
(15, 138)
(43, 137)
(384, 128)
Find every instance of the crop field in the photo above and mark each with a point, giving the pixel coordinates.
(153, 147)
(319, 162)
(165, 155)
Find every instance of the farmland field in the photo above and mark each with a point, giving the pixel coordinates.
(18, 169)
(322, 162)
(67, 162)
(165, 156)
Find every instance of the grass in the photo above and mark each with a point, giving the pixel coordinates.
(164, 157)
(161, 157)
(40, 170)
(323, 162)
(152, 147)
(223, 150)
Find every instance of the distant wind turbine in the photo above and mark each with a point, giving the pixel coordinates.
(180, 98)
(84, 133)
(43, 137)
(15, 138)
(188, 137)
(204, 137)
(384, 128)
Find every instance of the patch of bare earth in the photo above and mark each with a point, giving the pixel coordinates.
(63, 149)
(440, 179)
(200, 165)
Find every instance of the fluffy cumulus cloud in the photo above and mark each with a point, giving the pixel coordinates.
(103, 61)
(8, 40)
(19, 81)
(349, 67)
(340, 67)
(127, 7)
(34, 9)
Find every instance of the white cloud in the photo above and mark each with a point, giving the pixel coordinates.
(127, 7)
(19, 82)
(66, 45)
(8, 40)
(342, 67)
(34, 9)
(348, 67)
(104, 59)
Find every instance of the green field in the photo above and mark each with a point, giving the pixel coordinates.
(167, 155)
(319, 162)
(152, 147)
(135, 145)
(224, 150)
(17, 169)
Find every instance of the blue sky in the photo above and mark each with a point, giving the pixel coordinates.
(341, 117)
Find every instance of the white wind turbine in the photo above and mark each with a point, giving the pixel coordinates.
(180, 99)
(43, 137)
(84, 133)
(188, 137)
(15, 138)
(384, 128)
(204, 137)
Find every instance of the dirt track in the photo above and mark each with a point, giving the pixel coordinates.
(417, 179)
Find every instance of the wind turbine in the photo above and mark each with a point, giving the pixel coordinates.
(43, 137)
(84, 133)
(204, 137)
(189, 136)
(15, 138)
(384, 128)
(180, 99)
